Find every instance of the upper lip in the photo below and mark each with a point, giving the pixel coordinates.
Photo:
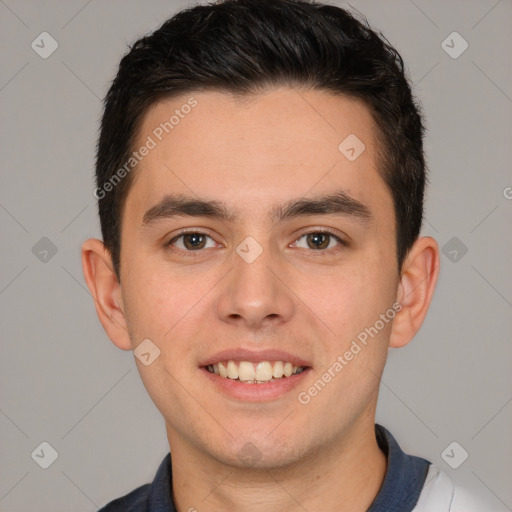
(254, 356)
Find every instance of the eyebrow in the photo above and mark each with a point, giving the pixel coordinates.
(339, 203)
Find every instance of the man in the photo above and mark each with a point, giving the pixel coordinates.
(260, 180)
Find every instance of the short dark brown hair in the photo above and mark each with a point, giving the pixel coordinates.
(244, 47)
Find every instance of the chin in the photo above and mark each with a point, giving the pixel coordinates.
(261, 453)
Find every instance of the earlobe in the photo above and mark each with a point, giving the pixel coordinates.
(106, 291)
(418, 280)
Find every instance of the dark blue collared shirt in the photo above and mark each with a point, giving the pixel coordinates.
(403, 482)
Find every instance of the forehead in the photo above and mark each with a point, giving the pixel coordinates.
(255, 150)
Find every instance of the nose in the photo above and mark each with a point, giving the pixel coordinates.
(256, 294)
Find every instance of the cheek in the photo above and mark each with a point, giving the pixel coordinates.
(165, 306)
(348, 299)
(149, 301)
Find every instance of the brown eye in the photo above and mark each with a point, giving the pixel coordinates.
(194, 241)
(191, 241)
(318, 240)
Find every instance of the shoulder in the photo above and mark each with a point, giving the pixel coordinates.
(135, 501)
(440, 494)
(146, 497)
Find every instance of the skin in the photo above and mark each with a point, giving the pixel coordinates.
(252, 155)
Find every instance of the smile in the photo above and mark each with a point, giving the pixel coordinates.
(254, 373)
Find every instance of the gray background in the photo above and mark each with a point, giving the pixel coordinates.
(63, 382)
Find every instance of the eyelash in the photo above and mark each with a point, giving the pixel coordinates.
(320, 252)
(185, 252)
(324, 252)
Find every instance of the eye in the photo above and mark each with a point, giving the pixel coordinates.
(319, 241)
(191, 241)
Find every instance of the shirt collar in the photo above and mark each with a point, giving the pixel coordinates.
(160, 493)
(400, 490)
(404, 479)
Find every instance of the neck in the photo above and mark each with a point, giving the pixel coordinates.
(345, 475)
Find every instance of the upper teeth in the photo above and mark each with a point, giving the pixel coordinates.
(248, 372)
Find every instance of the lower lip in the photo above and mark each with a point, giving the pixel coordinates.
(256, 392)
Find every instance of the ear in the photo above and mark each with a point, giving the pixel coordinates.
(106, 291)
(418, 280)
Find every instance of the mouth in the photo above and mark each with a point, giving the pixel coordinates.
(255, 376)
(262, 372)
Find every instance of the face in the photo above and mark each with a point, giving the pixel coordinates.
(252, 245)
